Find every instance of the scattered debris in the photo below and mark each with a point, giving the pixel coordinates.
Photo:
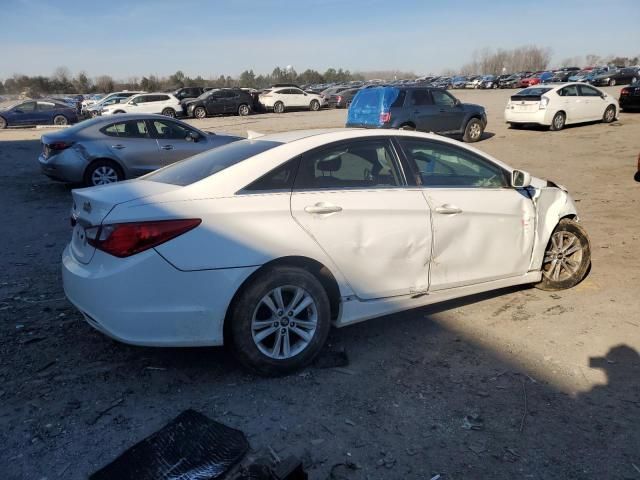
(102, 413)
(473, 422)
(191, 446)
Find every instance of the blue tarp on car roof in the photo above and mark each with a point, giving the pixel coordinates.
(368, 104)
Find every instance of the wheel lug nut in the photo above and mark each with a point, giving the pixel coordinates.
(276, 324)
(280, 313)
(283, 330)
(290, 314)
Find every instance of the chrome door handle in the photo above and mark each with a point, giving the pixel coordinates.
(322, 207)
(167, 147)
(447, 209)
(118, 147)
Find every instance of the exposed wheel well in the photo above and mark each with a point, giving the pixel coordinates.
(322, 273)
(408, 124)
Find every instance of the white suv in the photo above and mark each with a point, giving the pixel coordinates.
(287, 98)
(164, 103)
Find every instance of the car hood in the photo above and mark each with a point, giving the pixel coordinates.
(472, 107)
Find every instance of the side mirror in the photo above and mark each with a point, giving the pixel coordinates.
(192, 137)
(305, 94)
(520, 179)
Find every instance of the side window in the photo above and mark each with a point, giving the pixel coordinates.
(26, 107)
(130, 129)
(169, 130)
(296, 91)
(369, 164)
(45, 106)
(587, 91)
(420, 97)
(442, 165)
(570, 91)
(399, 101)
(442, 99)
(280, 178)
(141, 99)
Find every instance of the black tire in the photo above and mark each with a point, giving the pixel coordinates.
(278, 107)
(199, 112)
(609, 114)
(473, 131)
(557, 123)
(314, 106)
(407, 126)
(249, 303)
(243, 110)
(60, 120)
(169, 112)
(102, 168)
(516, 126)
(118, 111)
(3, 123)
(570, 232)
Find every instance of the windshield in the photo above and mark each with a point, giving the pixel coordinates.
(532, 92)
(208, 163)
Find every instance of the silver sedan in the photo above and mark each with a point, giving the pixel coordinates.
(109, 149)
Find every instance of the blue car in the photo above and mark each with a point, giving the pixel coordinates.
(38, 112)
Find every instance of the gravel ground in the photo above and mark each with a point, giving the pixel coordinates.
(518, 383)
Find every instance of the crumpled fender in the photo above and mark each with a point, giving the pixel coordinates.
(552, 203)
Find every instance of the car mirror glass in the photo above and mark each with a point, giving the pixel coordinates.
(520, 179)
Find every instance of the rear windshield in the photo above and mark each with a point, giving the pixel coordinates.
(533, 92)
(369, 103)
(204, 165)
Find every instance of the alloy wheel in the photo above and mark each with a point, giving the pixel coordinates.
(284, 322)
(104, 175)
(563, 258)
(475, 131)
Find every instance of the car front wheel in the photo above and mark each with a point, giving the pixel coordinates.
(473, 131)
(169, 112)
(278, 107)
(567, 257)
(3, 123)
(609, 114)
(60, 120)
(199, 112)
(280, 321)
(314, 106)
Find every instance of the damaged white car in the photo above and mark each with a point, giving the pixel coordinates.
(265, 243)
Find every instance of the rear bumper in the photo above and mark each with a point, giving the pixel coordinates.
(540, 117)
(629, 101)
(144, 300)
(66, 166)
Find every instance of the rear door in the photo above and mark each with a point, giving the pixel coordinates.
(131, 143)
(422, 110)
(352, 199)
(299, 98)
(483, 229)
(215, 104)
(172, 141)
(450, 112)
(572, 103)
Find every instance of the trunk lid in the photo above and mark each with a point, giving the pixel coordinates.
(92, 205)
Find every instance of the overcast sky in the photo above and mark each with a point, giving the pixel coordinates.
(141, 37)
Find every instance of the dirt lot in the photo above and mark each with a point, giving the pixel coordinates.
(549, 382)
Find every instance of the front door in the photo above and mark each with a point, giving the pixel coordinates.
(483, 228)
(450, 113)
(174, 141)
(572, 103)
(131, 143)
(352, 199)
(594, 103)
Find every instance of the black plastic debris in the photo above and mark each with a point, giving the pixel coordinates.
(332, 358)
(190, 447)
(288, 469)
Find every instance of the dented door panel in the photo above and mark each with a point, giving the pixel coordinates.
(479, 235)
(380, 239)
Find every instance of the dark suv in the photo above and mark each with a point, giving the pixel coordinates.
(417, 108)
(219, 101)
(186, 93)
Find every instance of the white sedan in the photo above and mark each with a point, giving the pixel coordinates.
(557, 105)
(287, 98)
(266, 242)
(162, 103)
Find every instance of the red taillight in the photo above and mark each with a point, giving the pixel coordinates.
(625, 91)
(57, 146)
(385, 117)
(126, 239)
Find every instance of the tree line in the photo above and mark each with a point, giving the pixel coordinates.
(61, 81)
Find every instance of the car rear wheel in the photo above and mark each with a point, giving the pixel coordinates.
(557, 123)
(169, 112)
(567, 257)
(609, 114)
(516, 126)
(314, 106)
(612, 82)
(278, 107)
(280, 321)
(473, 131)
(103, 172)
(199, 112)
(3, 123)
(243, 110)
(60, 120)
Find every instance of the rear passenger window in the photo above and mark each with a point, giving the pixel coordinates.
(442, 165)
(420, 97)
(369, 164)
(570, 91)
(130, 129)
(280, 178)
